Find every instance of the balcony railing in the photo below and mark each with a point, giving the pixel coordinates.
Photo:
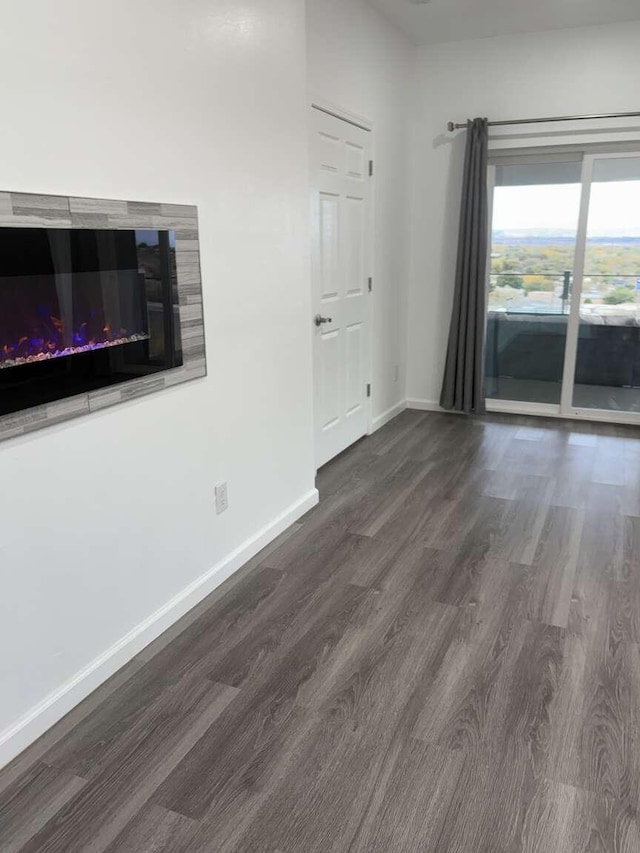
(606, 297)
(527, 329)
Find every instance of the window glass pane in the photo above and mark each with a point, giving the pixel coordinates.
(531, 174)
(608, 357)
(535, 220)
(616, 169)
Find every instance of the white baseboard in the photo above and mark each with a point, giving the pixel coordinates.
(423, 405)
(428, 406)
(387, 416)
(48, 712)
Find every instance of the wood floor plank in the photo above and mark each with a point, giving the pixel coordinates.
(572, 476)
(609, 461)
(126, 779)
(595, 715)
(501, 483)
(357, 734)
(31, 802)
(206, 605)
(240, 663)
(436, 511)
(364, 465)
(489, 805)
(603, 546)
(97, 734)
(271, 752)
(262, 617)
(561, 817)
(321, 528)
(282, 622)
(395, 435)
(392, 499)
(555, 563)
(410, 804)
(523, 521)
(68, 726)
(201, 646)
(529, 458)
(406, 597)
(467, 522)
(499, 676)
(248, 739)
(372, 561)
(383, 494)
(186, 657)
(579, 439)
(153, 830)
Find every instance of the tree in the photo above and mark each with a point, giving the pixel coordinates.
(619, 295)
(510, 280)
(538, 283)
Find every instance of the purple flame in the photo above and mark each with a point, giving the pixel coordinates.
(31, 350)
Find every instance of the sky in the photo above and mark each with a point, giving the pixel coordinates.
(614, 209)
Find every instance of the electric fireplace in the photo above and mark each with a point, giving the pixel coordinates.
(82, 309)
(100, 303)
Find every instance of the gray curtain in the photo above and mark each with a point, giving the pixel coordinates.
(463, 384)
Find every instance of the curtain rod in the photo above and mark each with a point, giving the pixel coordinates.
(453, 126)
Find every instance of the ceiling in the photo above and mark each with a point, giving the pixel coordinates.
(458, 20)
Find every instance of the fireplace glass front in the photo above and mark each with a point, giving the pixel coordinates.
(82, 309)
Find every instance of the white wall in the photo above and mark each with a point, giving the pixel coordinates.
(568, 72)
(359, 61)
(104, 520)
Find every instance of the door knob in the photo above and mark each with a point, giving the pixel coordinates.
(320, 320)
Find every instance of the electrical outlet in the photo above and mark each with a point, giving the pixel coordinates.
(396, 373)
(222, 498)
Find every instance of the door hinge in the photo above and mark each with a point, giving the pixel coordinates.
(368, 390)
(370, 283)
(370, 168)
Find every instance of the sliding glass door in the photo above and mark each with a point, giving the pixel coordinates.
(536, 206)
(607, 372)
(563, 318)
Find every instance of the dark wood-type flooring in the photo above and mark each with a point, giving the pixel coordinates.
(444, 655)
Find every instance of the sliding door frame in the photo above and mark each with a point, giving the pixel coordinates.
(566, 408)
(573, 324)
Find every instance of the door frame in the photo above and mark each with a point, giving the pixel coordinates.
(341, 113)
(565, 409)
